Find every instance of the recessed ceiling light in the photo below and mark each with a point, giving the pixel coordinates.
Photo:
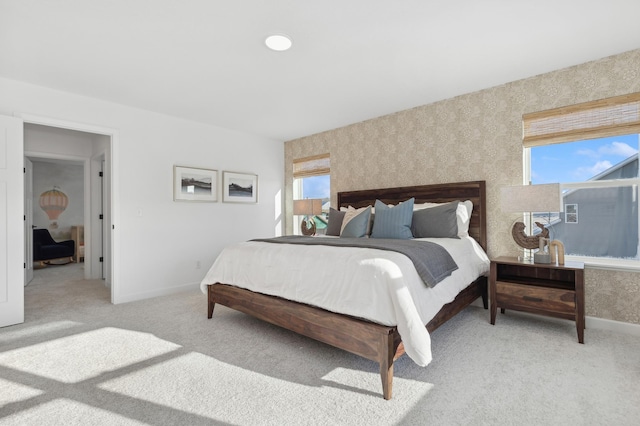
(278, 42)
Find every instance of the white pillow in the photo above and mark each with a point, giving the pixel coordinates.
(352, 212)
(463, 214)
(346, 209)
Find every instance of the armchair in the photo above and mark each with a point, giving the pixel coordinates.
(45, 248)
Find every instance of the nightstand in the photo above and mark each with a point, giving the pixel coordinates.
(544, 289)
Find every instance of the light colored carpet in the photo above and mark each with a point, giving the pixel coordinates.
(80, 360)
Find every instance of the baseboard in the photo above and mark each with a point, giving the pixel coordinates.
(156, 293)
(594, 323)
(611, 325)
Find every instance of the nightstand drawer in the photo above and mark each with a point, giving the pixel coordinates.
(549, 299)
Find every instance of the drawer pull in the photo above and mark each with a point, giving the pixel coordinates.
(532, 299)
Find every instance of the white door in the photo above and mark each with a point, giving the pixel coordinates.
(11, 221)
(28, 220)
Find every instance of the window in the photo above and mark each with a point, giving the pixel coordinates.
(571, 213)
(311, 179)
(591, 149)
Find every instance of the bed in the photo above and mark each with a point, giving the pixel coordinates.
(357, 334)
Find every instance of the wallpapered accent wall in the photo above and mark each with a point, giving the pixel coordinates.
(476, 136)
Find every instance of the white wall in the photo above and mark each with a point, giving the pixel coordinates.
(158, 242)
(57, 142)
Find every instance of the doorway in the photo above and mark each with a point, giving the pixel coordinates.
(66, 147)
(55, 206)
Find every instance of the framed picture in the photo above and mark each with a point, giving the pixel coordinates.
(193, 184)
(239, 187)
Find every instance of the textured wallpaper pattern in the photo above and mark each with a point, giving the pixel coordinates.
(476, 136)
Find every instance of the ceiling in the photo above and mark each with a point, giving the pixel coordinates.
(205, 60)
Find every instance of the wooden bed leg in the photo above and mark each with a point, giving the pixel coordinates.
(387, 354)
(386, 373)
(485, 295)
(210, 302)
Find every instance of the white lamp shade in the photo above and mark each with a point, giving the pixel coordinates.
(531, 198)
(307, 207)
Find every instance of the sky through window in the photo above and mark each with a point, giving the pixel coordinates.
(580, 161)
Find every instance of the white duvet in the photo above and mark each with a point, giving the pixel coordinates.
(378, 285)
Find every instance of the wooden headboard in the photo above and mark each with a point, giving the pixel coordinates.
(437, 193)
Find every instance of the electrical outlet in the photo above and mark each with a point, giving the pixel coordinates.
(198, 264)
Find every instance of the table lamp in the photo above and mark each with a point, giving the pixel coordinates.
(530, 199)
(308, 207)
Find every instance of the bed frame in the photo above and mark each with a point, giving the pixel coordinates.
(376, 342)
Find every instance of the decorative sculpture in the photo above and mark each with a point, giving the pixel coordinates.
(555, 244)
(308, 227)
(528, 242)
(542, 256)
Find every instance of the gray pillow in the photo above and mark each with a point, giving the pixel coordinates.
(393, 222)
(335, 222)
(436, 222)
(358, 226)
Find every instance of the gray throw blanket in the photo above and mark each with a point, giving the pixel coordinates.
(432, 262)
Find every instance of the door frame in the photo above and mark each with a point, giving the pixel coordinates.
(111, 164)
(28, 219)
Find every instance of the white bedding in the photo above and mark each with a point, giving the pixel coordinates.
(381, 286)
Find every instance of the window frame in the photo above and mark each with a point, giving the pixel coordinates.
(315, 165)
(578, 127)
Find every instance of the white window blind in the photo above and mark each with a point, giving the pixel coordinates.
(606, 117)
(311, 166)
